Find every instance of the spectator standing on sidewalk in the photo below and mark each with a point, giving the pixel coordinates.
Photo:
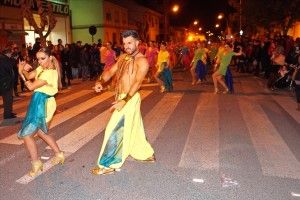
(6, 82)
(15, 58)
(296, 76)
(66, 66)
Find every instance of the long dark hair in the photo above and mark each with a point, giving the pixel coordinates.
(54, 63)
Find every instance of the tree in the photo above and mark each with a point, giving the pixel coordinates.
(47, 17)
(271, 13)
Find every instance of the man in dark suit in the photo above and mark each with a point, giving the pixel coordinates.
(7, 82)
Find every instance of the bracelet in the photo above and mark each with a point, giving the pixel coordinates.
(127, 98)
(100, 79)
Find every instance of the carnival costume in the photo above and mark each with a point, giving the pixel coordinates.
(165, 73)
(42, 105)
(166, 77)
(229, 80)
(225, 59)
(124, 134)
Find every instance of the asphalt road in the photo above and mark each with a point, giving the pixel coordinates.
(239, 146)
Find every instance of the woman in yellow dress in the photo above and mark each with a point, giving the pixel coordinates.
(163, 59)
(44, 81)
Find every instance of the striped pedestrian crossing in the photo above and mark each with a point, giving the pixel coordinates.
(275, 157)
(202, 146)
(201, 150)
(289, 105)
(159, 115)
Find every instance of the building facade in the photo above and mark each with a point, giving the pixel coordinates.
(75, 17)
(11, 25)
(115, 22)
(109, 19)
(145, 20)
(16, 29)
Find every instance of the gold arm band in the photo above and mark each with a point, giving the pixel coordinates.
(127, 98)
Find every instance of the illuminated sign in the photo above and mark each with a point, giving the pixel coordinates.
(59, 8)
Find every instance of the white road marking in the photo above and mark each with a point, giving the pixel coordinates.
(201, 149)
(59, 101)
(160, 114)
(289, 105)
(275, 157)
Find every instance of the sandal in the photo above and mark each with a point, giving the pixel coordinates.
(151, 159)
(102, 171)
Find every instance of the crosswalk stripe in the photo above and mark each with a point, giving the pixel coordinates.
(59, 101)
(201, 149)
(289, 105)
(64, 116)
(274, 155)
(16, 105)
(29, 94)
(77, 138)
(160, 114)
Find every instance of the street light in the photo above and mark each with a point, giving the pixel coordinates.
(217, 25)
(175, 8)
(220, 17)
(195, 22)
(200, 29)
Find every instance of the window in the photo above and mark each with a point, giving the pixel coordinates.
(117, 17)
(152, 22)
(124, 20)
(108, 16)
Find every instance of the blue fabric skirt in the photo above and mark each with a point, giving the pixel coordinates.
(166, 77)
(36, 115)
(200, 70)
(229, 80)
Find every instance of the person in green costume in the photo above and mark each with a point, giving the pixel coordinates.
(199, 54)
(223, 60)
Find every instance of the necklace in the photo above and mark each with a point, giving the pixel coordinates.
(131, 57)
(122, 68)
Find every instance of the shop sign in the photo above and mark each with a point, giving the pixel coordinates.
(58, 8)
(10, 26)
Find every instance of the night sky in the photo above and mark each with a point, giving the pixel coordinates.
(205, 11)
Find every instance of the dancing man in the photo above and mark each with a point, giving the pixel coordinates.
(124, 134)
